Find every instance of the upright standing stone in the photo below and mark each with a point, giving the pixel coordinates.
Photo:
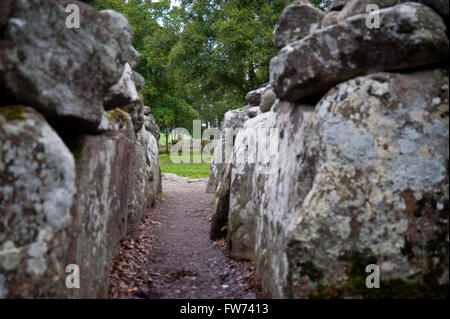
(37, 187)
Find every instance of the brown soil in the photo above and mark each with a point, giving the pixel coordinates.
(174, 257)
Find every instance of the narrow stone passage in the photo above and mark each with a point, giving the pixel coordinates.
(174, 257)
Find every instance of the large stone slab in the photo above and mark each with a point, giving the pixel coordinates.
(380, 191)
(250, 146)
(411, 35)
(62, 72)
(37, 187)
(144, 176)
(151, 152)
(104, 166)
(278, 195)
(120, 121)
(233, 120)
(221, 165)
(362, 179)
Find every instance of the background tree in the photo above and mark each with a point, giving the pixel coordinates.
(200, 58)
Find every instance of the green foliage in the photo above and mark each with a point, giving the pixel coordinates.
(224, 51)
(321, 4)
(156, 29)
(201, 58)
(14, 112)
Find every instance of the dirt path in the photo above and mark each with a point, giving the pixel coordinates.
(174, 257)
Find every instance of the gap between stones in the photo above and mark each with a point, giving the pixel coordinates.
(173, 256)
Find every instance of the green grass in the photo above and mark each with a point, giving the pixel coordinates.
(190, 169)
(162, 138)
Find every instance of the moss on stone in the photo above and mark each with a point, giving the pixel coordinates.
(13, 112)
(327, 292)
(396, 288)
(309, 269)
(118, 116)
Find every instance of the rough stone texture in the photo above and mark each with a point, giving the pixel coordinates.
(137, 201)
(73, 204)
(244, 197)
(120, 29)
(151, 126)
(220, 171)
(123, 92)
(354, 7)
(62, 72)
(54, 219)
(267, 100)
(411, 35)
(253, 98)
(120, 121)
(329, 19)
(233, 120)
(152, 174)
(37, 187)
(104, 166)
(277, 195)
(297, 21)
(136, 111)
(144, 179)
(363, 179)
(138, 80)
(380, 193)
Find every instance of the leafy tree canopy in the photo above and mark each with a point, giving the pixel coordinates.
(200, 58)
